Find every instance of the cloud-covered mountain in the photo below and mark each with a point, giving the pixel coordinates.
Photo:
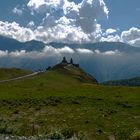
(33, 45)
(105, 60)
(13, 45)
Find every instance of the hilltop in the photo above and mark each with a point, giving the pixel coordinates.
(74, 71)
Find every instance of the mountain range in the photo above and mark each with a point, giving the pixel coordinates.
(103, 63)
(33, 45)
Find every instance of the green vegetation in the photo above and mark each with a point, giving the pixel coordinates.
(12, 73)
(74, 72)
(59, 104)
(124, 82)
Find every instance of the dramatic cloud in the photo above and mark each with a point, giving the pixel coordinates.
(60, 33)
(66, 21)
(46, 52)
(49, 51)
(111, 38)
(15, 31)
(89, 12)
(63, 21)
(132, 36)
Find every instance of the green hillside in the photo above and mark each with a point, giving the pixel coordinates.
(67, 102)
(124, 82)
(12, 73)
(74, 72)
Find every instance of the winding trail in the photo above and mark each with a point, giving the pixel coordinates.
(21, 77)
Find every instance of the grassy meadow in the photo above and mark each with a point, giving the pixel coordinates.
(58, 102)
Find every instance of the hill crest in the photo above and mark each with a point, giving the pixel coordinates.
(73, 70)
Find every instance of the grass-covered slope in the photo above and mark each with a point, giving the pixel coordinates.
(125, 82)
(10, 73)
(75, 73)
(57, 101)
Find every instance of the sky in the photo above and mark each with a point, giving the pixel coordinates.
(71, 21)
(124, 14)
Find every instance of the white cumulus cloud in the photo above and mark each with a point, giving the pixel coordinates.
(111, 38)
(107, 53)
(84, 51)
(110, 31)
(51, 50)
(69, 21)
(15, 31)
(62, 21)
(65, 49)
(132, 36)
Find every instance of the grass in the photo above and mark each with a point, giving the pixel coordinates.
(56, 101)
(12, 73)
(125, 82)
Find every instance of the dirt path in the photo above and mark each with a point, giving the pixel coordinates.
(21, 77)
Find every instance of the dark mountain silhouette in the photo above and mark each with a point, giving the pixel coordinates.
(102, 46)
(73, 70)
(12, 45)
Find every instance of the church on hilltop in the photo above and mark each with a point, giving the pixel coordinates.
(65, 62)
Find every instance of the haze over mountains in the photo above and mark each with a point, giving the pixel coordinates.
(105, 60)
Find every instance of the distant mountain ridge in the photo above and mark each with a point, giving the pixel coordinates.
(33, 45)
(124, 82)
(12, 44)
(102, 46)
(104, 67)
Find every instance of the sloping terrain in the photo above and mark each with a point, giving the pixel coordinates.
(10, 73)
(124, 82)
(57, 101)
(74, 72)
